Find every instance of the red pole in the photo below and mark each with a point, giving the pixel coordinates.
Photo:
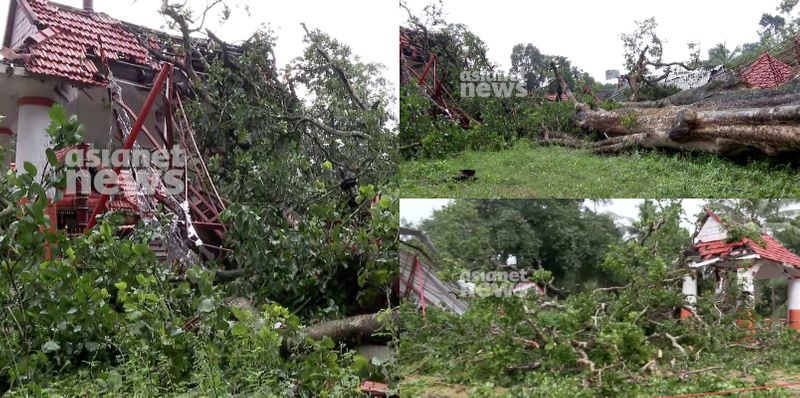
(137, 126)
(427, 68)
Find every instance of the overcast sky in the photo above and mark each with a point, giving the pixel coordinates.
(367, 26)
(626, 210)
(587, 32)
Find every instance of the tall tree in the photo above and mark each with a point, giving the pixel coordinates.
(782, 25)
(531, 64)
(561, 236)
(643, 49)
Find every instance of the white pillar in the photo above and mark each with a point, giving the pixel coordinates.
(746, 278)
(32, 137)
(793, 303)
(689, 290)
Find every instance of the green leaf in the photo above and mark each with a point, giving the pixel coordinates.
(50, 346)
(359, 362)
(239, 329)
(51, 156)
(207, 305)
(29, 168)
(327, 165)
(121, 285)
(92, 346)
(58, 115)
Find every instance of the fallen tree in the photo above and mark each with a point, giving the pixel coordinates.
(721, 117)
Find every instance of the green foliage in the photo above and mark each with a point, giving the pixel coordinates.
(333, 261)
(737, 232)
(560, 236)
(503, 122)
(650, 92)
(599, 339)
(422, 135)
(64, 130)
(98, 314)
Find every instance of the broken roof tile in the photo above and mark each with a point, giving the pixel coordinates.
(61, 49)
(772, 250)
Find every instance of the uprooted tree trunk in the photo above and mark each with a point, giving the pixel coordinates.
(719, 118)
(351, 329)
(357, 327)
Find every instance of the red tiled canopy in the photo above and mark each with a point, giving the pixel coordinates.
(61, 49)
(772, 250)
(767, 72)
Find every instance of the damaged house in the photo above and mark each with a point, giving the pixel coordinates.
(721, 255)
(107, 73)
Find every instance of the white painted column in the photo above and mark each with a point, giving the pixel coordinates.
(793, 303)
(746, 279)
(689, 290)
(32, 137)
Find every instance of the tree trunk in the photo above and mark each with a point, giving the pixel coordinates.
(711, 119)
(352, 330)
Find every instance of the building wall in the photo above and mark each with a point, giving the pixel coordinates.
(92, 105)
(22, 29)
(712, 230)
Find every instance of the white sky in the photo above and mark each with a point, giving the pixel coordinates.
(587, 32)
(361, 24)
(626, 210)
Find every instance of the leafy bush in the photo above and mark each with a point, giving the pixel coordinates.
(98, 314)
(601, 339)
(501, 122)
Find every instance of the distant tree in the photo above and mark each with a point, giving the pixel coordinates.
(531, 64)
(560, 236)
(775, 215)
(643, 49)
(780, 26)
(461, 237)
(722, 55)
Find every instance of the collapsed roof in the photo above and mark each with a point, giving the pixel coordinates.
(79, 45)
(713, 242)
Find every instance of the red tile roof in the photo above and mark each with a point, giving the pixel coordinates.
(767, 72)
(772, 250)
(62, 48)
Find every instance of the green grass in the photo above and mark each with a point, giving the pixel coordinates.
(527, 171)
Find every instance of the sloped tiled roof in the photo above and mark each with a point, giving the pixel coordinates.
(767, 72)
(772, 250)
(70, 35)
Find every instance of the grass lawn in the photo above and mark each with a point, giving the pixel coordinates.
(527, 171)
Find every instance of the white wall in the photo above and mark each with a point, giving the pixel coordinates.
(712, 230)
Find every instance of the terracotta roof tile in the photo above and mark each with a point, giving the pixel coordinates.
(767, 72)
(61, 49)
(772, 250)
